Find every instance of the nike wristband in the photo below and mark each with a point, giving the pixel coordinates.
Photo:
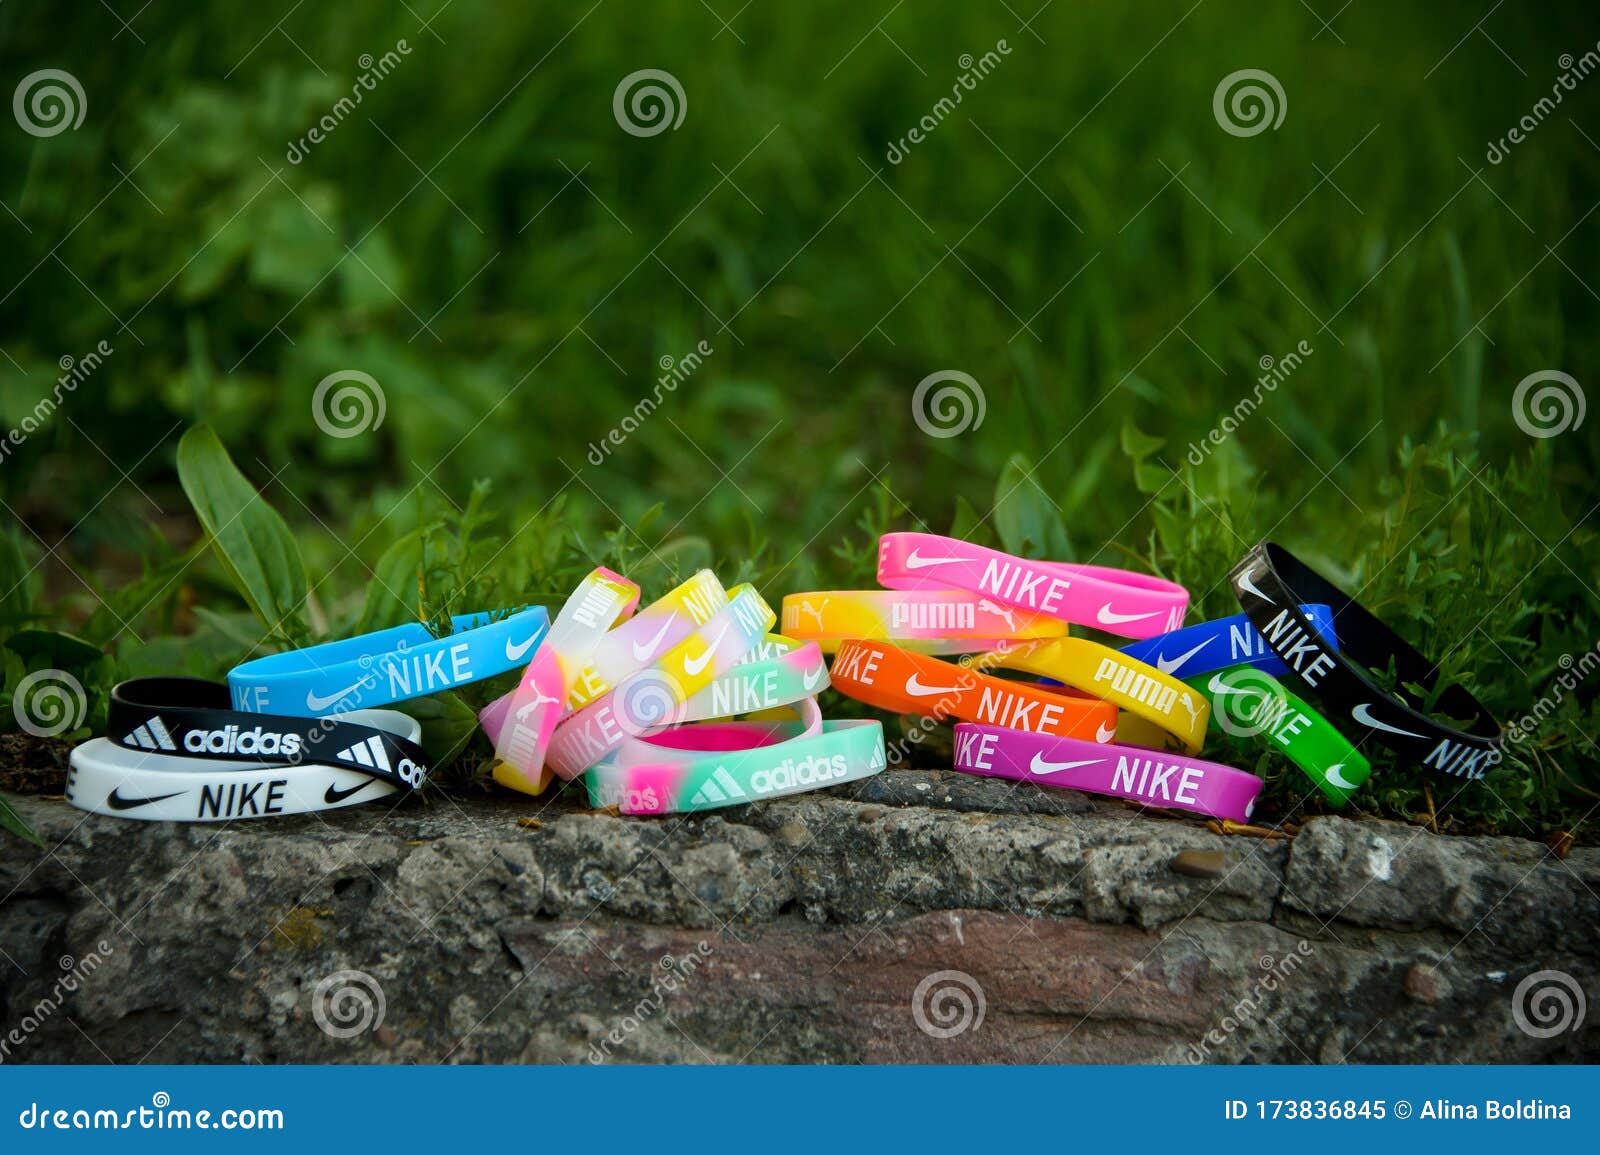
(1133, 605)
(891, 678)
(105, 778)
(1221, 644)
(387, 666)
(194, 718)
(1271, 583)
(928, 621)
(540, 699)
(1248, 703)
(1150, 777)
(1156, 709)
(771, 760)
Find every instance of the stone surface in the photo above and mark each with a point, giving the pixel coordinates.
(918, 917)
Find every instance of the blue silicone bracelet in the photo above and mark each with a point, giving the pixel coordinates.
(1219, 644)
(387, 666)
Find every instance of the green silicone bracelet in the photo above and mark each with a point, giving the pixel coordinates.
(1250, 704)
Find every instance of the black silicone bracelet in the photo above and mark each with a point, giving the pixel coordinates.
(1271, 583)
(191, 717)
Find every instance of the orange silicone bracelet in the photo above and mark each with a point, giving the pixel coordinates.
(895, 679)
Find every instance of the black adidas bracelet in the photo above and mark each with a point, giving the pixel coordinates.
(191, 717)
(1271, 583)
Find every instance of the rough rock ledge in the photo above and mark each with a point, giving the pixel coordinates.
(802, 930)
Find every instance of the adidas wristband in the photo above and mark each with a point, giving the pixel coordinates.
(194, 718)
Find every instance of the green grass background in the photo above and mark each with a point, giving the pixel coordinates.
(1079, 235)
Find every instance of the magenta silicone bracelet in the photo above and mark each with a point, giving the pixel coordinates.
(1153, 777)
(1132, 605)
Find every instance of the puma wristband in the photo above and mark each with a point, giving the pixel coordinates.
(928, 621)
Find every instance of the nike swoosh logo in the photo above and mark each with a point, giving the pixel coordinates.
(1247, 583)
(643, 653)
(916, 689)
(335, 795)
(915, 561)
(1040, 766)
(117, 802)
(1333, 776)
(1104, 733)
(1168, 665)
(813, 678)
(1107, 616)
(1363, 714)
(514, 652)
(693, 666)
(1221, 689)
(317, 705)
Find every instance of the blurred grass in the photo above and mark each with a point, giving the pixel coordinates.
(1080, 236)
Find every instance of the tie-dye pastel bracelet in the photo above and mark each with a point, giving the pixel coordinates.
(928, 621)
(540, 699)
(716, 764)
(648, 698)
(1248, 703)
(1133, 605)
(1155, 707)
(892, 678)
(1151, 777)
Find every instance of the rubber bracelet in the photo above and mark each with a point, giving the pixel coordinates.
(895, 679)
(387, 666)
(647, 698)
(194, 718)
(540, 699)
(1271, 583)
(1248, 703)
(651, 632)
(1154, 778)
(1143, 694)
(928, 621)
(1220, 644)
(105, 778)
(795, 673)
(779, 762)
(1133, 605)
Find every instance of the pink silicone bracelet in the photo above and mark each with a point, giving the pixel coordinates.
(1153, 777)
(1133, 605)
(693, 739)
